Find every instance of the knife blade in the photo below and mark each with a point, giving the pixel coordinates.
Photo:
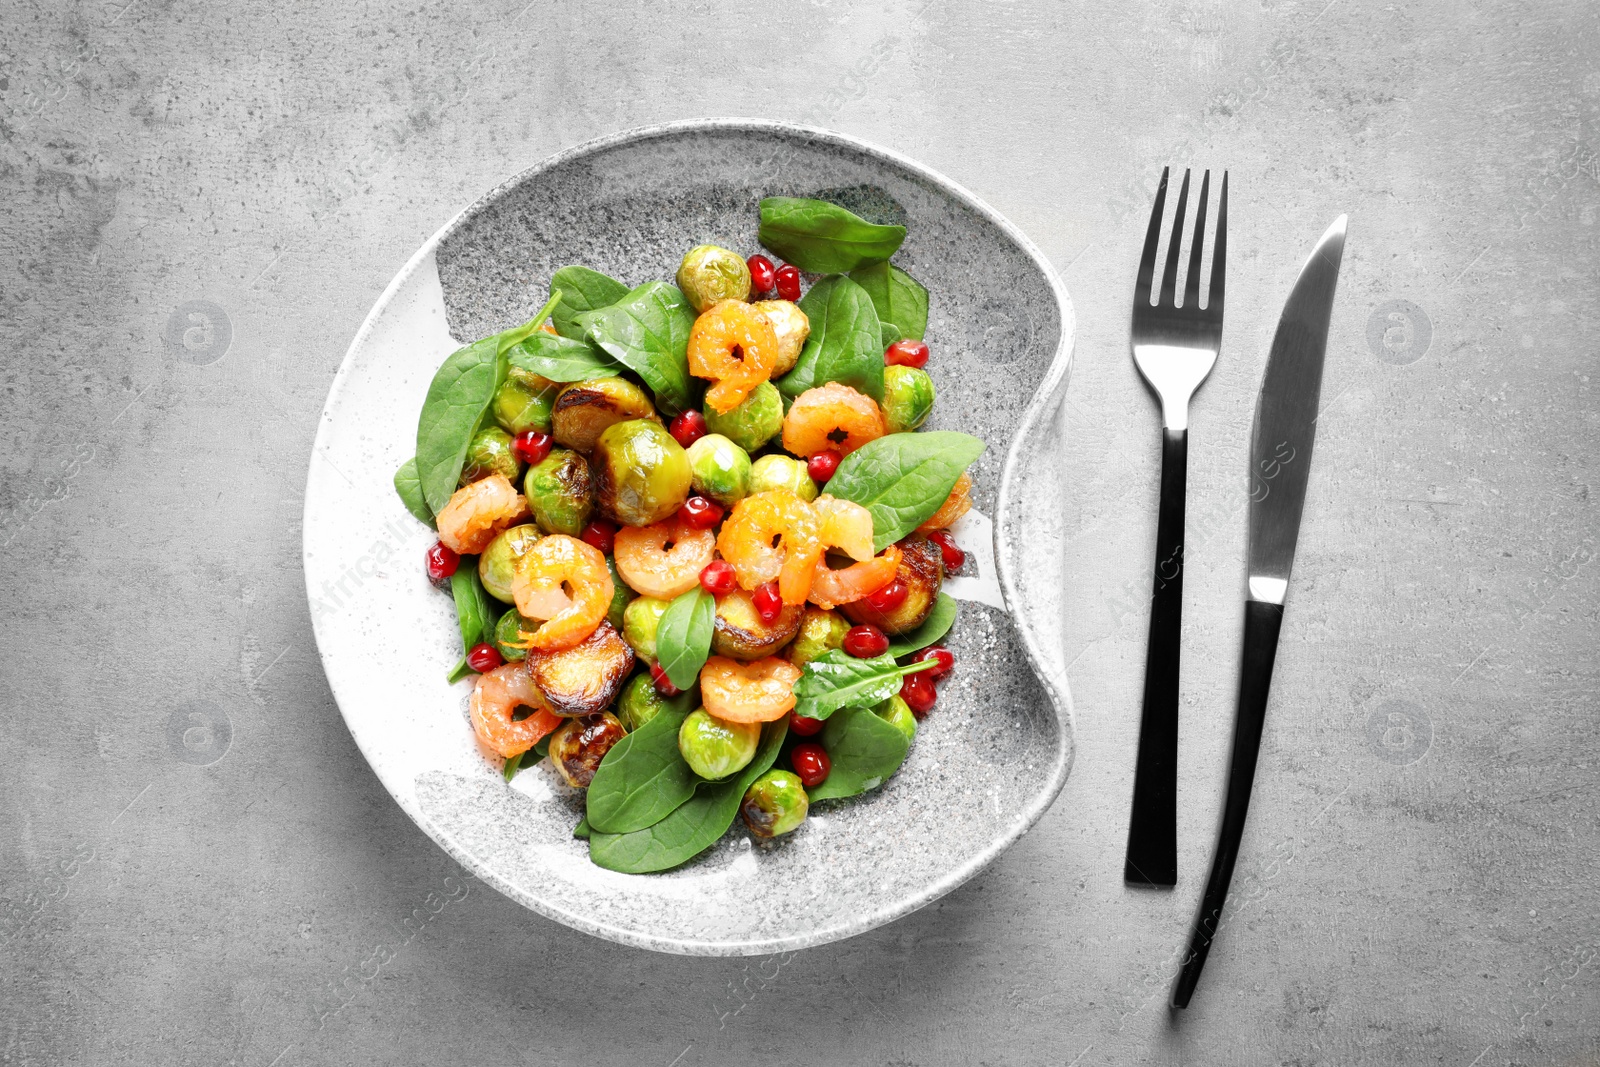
(1280, 468)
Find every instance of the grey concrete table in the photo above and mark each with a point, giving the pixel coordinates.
(202, 200)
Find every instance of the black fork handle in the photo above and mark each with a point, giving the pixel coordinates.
(1152, 857)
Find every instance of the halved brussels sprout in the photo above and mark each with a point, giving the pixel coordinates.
(578, 746)
(715, 749)
(639, 621)
(792, 328)
(524, 401)
(509, 632)
(586, 678)
(897, 713)
(753, 421)
(584, 410)
(740, 633)
(719, 469)
(774, 804)
(560, 492)
(709, 274)
(621, 596)
(498, 563)
(641, 473)
(922, 569)
(490, 453)
(907, 398)
(640, 702)
(820, 631)
(781, 472)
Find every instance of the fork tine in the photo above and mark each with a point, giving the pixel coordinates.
(1191, 283)
(1169, 279)
(1220, 258)
(1152, 237)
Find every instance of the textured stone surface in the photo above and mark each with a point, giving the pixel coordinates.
(199, 866)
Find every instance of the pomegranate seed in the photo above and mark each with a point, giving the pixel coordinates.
(864, 642)
(918, 692)
(810, 761)
(442, 561)
(889, 597)
(484, 658)
(663, 684)
(600, 533)
(700, 513)
(801, 726)
(718, 578)
(769, 603)
(906, 353)
(943, 656)
(822, 465)
(762, 274)
(532, 446)
(688, 428)
(953, 556)
(788, 282)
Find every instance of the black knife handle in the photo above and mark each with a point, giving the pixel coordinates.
(1152, 857)
(1261, 625)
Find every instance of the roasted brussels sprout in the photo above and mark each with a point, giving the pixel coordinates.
(897, 713)
(641, 473)
(578, 746)
(791, 327)
(774, 804)
(508, 633)
(907, 398)
(560, 492)
(490, 453)
(922, 569)
(708, 274)
(639, 622)
(585, 409)
(740, 632)
(498, 563)
(820, 631)
(715, 749)
(781, 472)
(753, 422)
(719, 469)
(586, 678)
(640, 702)
(621, 596)
(523, 403)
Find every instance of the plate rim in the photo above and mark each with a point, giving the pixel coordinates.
(1046, 396)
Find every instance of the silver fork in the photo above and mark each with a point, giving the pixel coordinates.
(1175, 348)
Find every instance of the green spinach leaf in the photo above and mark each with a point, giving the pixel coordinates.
(902, 478)
(409, 486)
(864, 749)
(899, 299)
(891, 332)
(824, 238)
(935, 626)
(643, 778)
(836, 680)
(683, 638)
(530, 758)
(582, 830)
(561, 359)
(476, 612)
(695, 825)
(647, 331)
(846, 341)
(581, 290)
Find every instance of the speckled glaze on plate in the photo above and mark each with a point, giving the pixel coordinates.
(997, 748)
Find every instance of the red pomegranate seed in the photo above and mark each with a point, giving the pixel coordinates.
(700, 513)
(442, 561)
(484, 658)
(688, 428)
(889, 597)
(864, 642)
(532, 446)
(718, 578)
(810, 761)
(769, 603)
(822, 465)
(600, 533)
(788, 282)
(945, 658)
(918, 692)
(763, 276)
(953, 556)
(801, 726)
(906, 353)
(663, 684)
